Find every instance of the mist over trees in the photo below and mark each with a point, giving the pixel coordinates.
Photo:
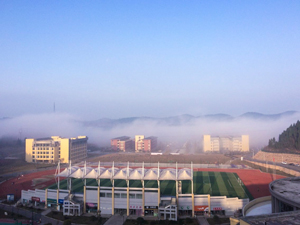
(288, 139)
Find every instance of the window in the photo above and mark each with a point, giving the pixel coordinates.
(33, 152)
(139, 196)
(123, 195)
(108, 195)
(32, 148)
(117, 195)
(33, 156)
(52, 156)
(102, 195)
(131, 195)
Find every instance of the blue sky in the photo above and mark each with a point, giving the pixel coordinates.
(116, 59)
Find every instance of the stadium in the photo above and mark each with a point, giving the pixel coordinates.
(167, 190)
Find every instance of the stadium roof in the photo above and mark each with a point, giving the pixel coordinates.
(126, 173)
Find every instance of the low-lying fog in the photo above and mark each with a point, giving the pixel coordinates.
(66, 125)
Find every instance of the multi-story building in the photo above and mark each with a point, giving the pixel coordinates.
(139, 143)
(150, 143)
(56, 148)
(123, 143)
(145, 144)
(234, 144)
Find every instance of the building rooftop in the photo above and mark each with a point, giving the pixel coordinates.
(122, 138)
(43, 139)
(150, 138)
(285, 218)
(287, 188)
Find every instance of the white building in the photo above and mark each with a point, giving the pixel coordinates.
(228, 143)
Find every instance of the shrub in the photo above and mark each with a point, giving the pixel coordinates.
(140, 220)
(67, 222)
(93, 218)
(216, 218)
(188, 220)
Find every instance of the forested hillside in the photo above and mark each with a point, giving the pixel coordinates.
(288, 140)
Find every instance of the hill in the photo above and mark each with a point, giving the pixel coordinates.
(288, 141)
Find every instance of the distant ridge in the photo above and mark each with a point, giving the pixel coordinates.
(255, 115)
(107, 123)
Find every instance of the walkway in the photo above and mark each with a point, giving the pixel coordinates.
(116, 220)
(202, 220)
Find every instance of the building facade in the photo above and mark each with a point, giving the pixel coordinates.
(56, 148)
(123, 143)
(147, 144)
(139, 142)
(150, 143)
(230, 143)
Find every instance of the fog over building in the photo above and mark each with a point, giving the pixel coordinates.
(228, 143)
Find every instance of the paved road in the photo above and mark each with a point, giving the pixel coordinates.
(295, 168)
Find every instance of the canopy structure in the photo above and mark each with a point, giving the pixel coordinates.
(127, 173)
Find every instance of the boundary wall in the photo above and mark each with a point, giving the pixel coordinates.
(276, 167)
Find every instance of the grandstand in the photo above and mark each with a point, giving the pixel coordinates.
(161, 192)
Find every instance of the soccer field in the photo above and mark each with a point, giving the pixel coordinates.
(205, 182)
(213, 183)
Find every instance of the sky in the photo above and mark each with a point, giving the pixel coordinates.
(115, 59)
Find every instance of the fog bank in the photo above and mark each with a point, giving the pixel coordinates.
(67, 125)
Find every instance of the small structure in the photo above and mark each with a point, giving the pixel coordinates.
(168, 209)
(72, 206)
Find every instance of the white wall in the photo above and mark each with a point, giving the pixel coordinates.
(151, 198)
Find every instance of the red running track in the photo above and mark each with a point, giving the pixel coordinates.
(256, 181)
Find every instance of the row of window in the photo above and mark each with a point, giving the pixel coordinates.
(41, 144)
(42, 157)
(121, 195)
(42, 152)
(43, 148)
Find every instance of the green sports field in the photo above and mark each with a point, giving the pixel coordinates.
(205, 182)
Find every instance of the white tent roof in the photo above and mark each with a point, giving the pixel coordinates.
(151, 174)
(66, 172)
(136, 174)
(121, 174)
(126, 173)
(102, 170)
(184, 174)
(168, 174)
(92, 174)
(77, 174)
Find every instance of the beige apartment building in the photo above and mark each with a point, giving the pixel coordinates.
(55, 148)
(139, 142)
(228, 143)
